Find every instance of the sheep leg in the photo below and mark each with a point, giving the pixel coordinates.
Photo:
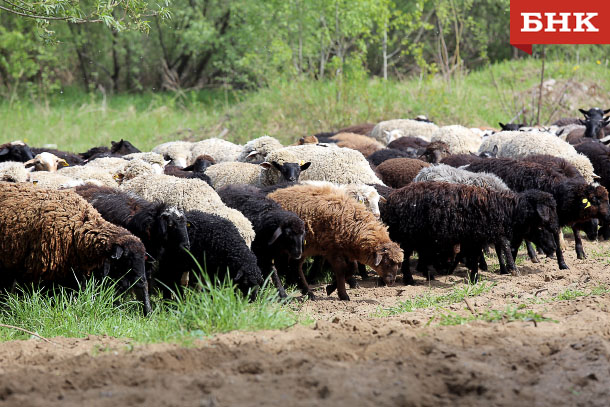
(364, 274)
(482, 262)
(315, 271)
(580, 252)
(472, 263)
(500, 259)
(423, 266)
(351, 280)
(407, 277)
(558, 253)
(266, 266)
(531, 252)
(305, 289)
(510, 261)
(278, 284)
(341, 269)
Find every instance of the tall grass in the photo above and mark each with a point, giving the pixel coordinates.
(95, 310)
(287, 110)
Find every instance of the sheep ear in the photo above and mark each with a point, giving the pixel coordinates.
(501, 125)
(495, 150)
(277, 166)
(30, 163)
(378, 258)
(606, 111)
(305, 166)
(239, 276)
(252, 154)
(382, 199)
(543, 212)
(117, 252)
(265, 165)
(276, 234)
(4, 151)
(584, 112)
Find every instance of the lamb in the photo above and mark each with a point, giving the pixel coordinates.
(15, 151)
(265, 174)
(399, 172)
(256, 150)
(48, 236)
(341, 230)
(46, 162)
(162, 229)
(517, 144)
(459, 139)
(439, 219)
(278, 232)
(216, 245)
(388, 131)
(334, 164)
(12, 171)
(446, 173)
(185, 195)
(577, 201)
(221, 150)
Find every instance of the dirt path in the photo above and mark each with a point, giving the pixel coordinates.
(351, 357)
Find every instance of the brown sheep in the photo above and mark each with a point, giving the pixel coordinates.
(342, 231)
(398, 172)
(53, 236)
(306, 140)
(363, 129)
(366, 145)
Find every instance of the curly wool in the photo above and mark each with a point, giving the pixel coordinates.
(398, 172)
(53, 180)
(365, 194)
(148, 157)
(335, 224)
(518, 144)
(256, 150)
(219, 149)
(232, 173)
(89, 172)
(446, 173)
(402, 128)
(109, 164)
(460, 139)
(178, 151)
(12, 171)
(136, 168)
(333, 164)
(188, 194)
(366, 145)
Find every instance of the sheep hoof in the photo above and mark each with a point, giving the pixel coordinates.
(353, 283)
(330, 289)
(408, 281)
(563, 266)
(311, 296)
(344, 297)
(535, 260)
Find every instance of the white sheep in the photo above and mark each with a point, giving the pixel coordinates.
(389, 130)
(231, 173)
(365, 194)
(12, 171)
(46, 162)
(219, 149)
(178, 151)
(257, 149)
(519, 144)
(446, 173)
(188, 194)
(460, 139)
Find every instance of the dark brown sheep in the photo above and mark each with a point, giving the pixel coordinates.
(398, 172)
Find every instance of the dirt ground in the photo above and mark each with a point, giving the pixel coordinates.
(351, 357)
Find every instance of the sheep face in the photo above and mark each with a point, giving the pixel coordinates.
(290, 171)
(125, 263)
(249, 280)
(511, 126)
(594, 126)
(172, 226)
(123, 147)
(388, 260)
(595, 203)
(15, 152)
(489, 154)
(435, 152)
(289, 239)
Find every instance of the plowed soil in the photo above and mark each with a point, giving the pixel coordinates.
(350, 356)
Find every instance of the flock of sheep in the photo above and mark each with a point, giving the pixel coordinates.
(367, 195)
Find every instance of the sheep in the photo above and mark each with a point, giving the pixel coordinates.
(123, 147)
(446, 173)
(161, 228)
(195, 170)
(104, 164)
(435, 151)
(388, 131)
(439, 219)
(135, 168)
(399, 172)
(334, 164)
(90, 172)
(511, 126)
(408, 143)
(188, 194)
(216, 245)
(278, 232)
(221, 150)
(71, 158)
(577, 201)
(306, 140)
(365, 194)
(363, 129)
(264, 174)
(594, 128)
(149, 157)
(12, 171)
(46, 162)
(48, 236)
(341, 230)
(516, 144)
(459, 139)
(256, 150)
(385, 154)
(53, 180)
(15, 151)
(364, 144)
(179, 152)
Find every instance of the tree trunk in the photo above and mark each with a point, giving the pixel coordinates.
(79, 54)
(385, 52)
(115, 62)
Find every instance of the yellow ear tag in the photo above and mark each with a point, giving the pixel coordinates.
(586, 201)
(34, 182)
(302, 162)
(188, 224)
(304, 242)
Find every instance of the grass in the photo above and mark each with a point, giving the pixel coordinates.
(94, 310)
(429, 300)
(510, 314)
(287, 110)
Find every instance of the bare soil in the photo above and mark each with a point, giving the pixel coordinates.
(350, 356)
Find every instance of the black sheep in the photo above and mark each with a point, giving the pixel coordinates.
(162, 229)
(385, 154)
(576, 200)
(438, 220)
(278, 232)
(123, 147)
(15, 151)
(195, 170)
(217, 246)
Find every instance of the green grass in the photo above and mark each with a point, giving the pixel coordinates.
(94, 310)
(510, 314)
(287, 110)
(429, 300)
